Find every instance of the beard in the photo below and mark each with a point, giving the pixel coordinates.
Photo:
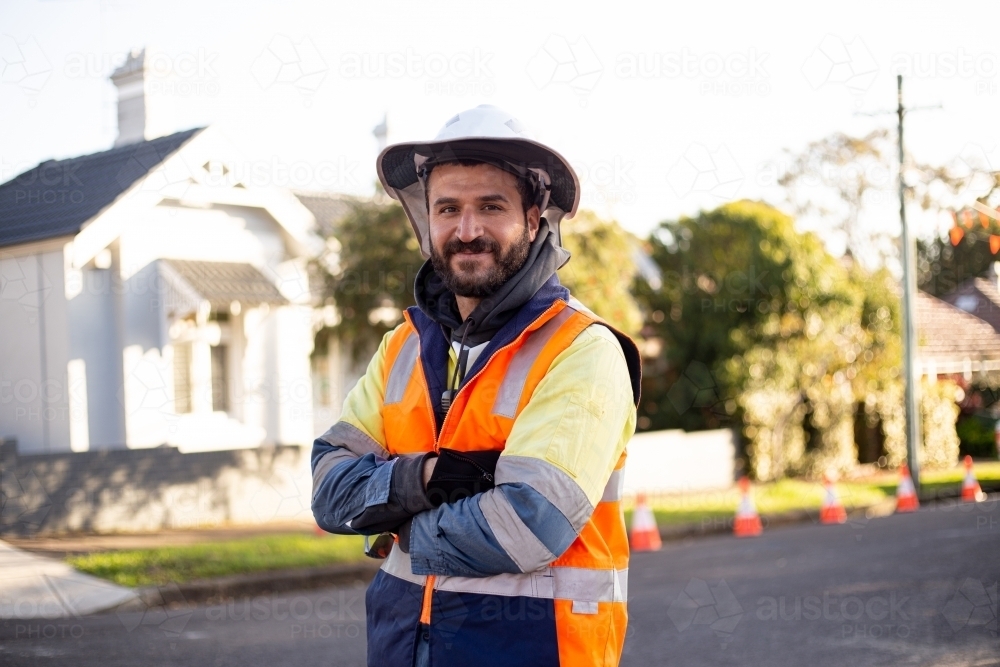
(465, 282)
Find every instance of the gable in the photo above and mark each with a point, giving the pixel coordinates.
(57, 197)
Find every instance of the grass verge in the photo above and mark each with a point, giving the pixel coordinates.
(793, 494)
(155, 567)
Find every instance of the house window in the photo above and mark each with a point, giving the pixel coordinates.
(182, 378)
(220, 378)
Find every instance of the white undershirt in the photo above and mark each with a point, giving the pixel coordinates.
(473, 353)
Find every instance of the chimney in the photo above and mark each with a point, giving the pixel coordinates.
(381, 132)
(130, 79)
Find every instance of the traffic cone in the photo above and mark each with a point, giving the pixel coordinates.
(832, 511)
(906, 495)
(747, 521)
(645, 534)
(971, 491)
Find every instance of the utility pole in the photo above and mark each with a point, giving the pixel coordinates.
(913, 416)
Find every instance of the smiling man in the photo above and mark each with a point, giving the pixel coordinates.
(485, 443)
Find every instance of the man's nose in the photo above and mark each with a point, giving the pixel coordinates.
(469, 227)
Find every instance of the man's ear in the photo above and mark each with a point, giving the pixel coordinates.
(533, 218)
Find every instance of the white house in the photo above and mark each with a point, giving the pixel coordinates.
(150, 296)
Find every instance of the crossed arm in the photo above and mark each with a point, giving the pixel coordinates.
(556, 462)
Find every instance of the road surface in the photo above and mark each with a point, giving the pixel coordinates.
(916, 589)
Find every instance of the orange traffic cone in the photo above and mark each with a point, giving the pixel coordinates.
(971, 491)
(645, 534)
(906, 495)
(747, 522)
(832, 511)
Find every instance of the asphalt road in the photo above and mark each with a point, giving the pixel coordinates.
(901, 590)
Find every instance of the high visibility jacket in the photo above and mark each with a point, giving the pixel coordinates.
(554, 591)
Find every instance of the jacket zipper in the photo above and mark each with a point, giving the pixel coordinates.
(468, 381)
(482, 471)
(425, 615)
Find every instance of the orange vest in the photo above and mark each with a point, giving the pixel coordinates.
(588, 582)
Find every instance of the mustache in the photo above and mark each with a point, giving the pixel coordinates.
(481, 244)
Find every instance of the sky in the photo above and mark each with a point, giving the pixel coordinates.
(663, 108)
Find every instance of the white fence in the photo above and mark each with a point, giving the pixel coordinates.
(675, 461)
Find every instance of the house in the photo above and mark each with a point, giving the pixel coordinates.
(952, 341)
(156, 325)
(980, 297)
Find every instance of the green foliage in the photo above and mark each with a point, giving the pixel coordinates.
(601, 271)
(371, 279)
(939, 408)
(155, 567)
(941, 267)
(761, 327)
(733, 279)
(977, 436)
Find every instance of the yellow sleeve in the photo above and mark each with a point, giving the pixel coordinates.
(581, 414)
(362, 407)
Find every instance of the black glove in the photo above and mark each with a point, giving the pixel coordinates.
(460, 475)
(406, 497)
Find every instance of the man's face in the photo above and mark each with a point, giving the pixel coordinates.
(480, 234)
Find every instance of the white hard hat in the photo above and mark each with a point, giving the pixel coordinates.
(485, 133)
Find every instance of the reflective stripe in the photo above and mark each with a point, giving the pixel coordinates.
(523, 547)
(398, 565)
(354, 439)
(575, 304)
(402, 370)
(327, 462)
(557, 487)
(613, 489)
(561, 583)
(509, 394)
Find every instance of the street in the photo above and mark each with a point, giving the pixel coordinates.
(900, 590)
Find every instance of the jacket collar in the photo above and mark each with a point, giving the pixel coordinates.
(435, 344)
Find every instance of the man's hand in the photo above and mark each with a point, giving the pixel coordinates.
(429, 464)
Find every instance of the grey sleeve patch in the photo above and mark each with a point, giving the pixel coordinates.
(556, 486)
(523, 547)
(328, 462)
(354, 439)
(402, 370)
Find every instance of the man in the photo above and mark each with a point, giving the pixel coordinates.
(488, 433)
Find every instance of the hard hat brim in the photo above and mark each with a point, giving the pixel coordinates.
(397, 170)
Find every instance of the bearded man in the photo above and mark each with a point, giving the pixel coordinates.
(485, 443)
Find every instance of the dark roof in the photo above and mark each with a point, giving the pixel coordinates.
(57, 197)
(946, 333)
(328, 209)
(979, 297)
(221, 283)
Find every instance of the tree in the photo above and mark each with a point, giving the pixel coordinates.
(836, 179)
(732, 278)
(369, 276)
(833, 178)
(943, 266)
(602, 269)
(761, 328)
